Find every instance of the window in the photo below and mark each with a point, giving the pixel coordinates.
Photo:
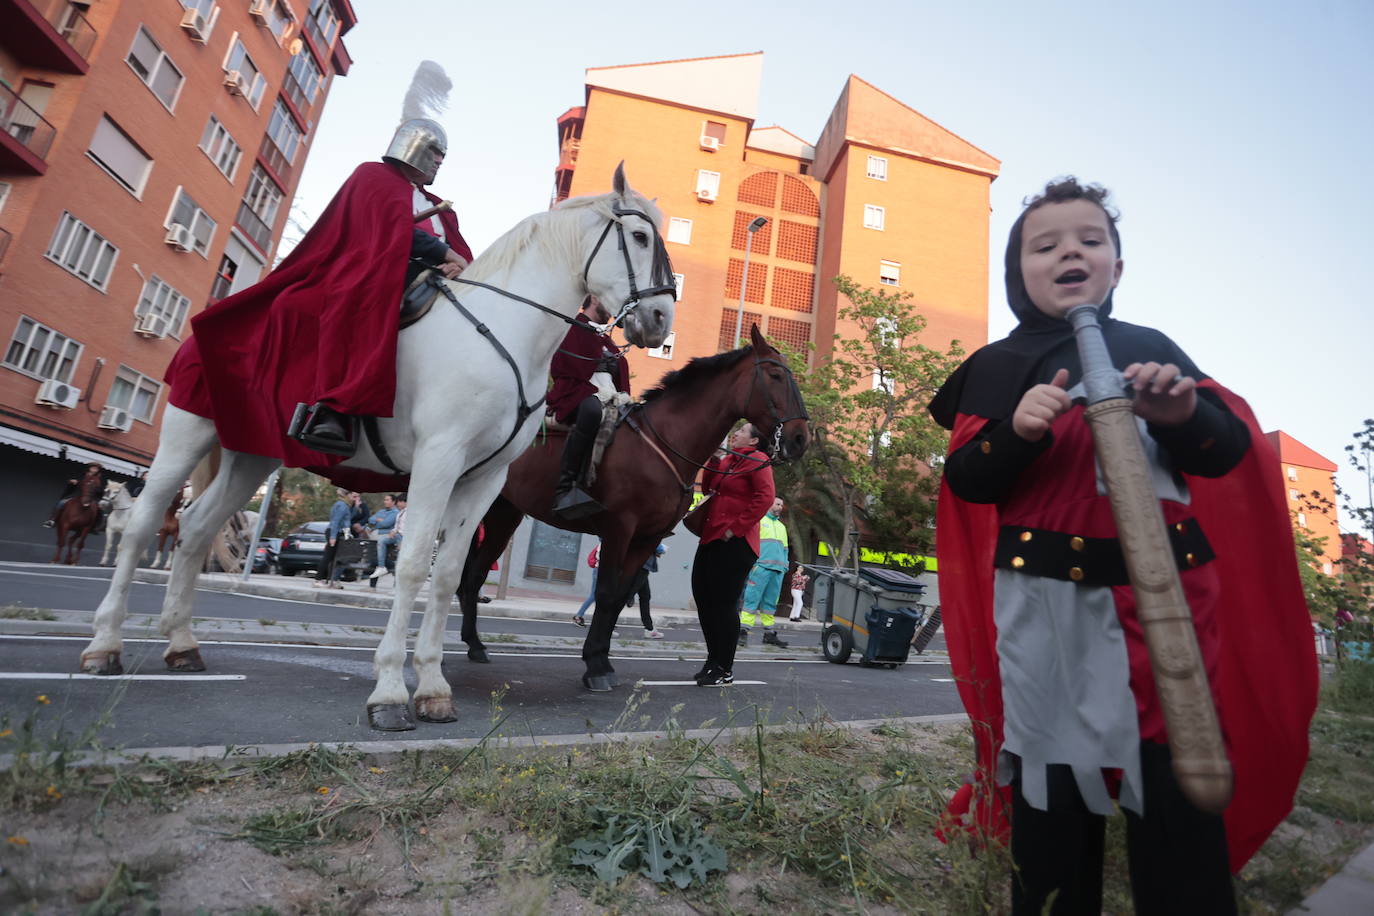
(1326, 568)
(41, 352)
(161, 301)
(77, 248)
(284, 132)
(135, 392)
(224, 278)
(1292, 473)
(238, 61)
(155, 68)
(186, 212)
(220, 147)
(276, 17)
(680, 281)
(712, 135)
(263, 196)
(322, 23)
(889, 273)
(209, 14)
(874, 217)
(708, 184)
(665, 350)
(885, 330)
(4, 194)
(307, 74)
(680, 230)
(114, 152)
(877, 168)
(1294, 494)
(1302, 519)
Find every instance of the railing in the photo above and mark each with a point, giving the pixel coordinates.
(24, 124)
(296, 92)
(276, 160)
(312, 28)
(70, 24)
(257, 230)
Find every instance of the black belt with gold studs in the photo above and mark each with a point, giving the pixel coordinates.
(1089, 561)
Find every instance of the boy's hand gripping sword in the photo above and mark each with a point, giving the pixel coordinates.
(1199, 755)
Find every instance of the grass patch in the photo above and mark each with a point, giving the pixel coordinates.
(19, 612)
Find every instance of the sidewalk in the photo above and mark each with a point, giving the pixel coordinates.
(1350, 890)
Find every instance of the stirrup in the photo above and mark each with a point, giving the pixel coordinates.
(302, 429)
(575, 504)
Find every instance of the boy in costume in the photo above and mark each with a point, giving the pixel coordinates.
(1040, 617)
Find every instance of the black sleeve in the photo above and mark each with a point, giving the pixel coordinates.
(428, 248)
(984, 469)
(1208, 445)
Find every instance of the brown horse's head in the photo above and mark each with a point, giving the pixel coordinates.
(774, 406)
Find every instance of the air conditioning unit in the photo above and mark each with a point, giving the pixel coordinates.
(259, 8)
(706, 195)
(116, 418)
(180, 237)
(194, 23)
(151, 325)
(710, 144)
(53, 393)
(236, 82)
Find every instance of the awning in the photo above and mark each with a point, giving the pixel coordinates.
(42, 445)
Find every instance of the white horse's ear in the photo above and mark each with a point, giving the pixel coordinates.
(618, 183)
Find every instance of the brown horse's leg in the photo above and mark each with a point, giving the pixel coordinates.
(61, 540)
(615, 575)
(498, 525)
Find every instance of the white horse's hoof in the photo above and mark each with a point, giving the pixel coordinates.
(435, 709)
(102, 663)
(390, 717)
(189, 660)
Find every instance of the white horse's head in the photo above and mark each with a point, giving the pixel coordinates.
(627, 264)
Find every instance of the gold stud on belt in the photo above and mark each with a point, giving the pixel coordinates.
(1077, 543)
(1018, 562)
(1076, 573)
(1026, 536)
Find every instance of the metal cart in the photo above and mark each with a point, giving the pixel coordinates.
(876, 613)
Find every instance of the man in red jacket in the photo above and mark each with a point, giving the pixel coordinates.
(321, 328)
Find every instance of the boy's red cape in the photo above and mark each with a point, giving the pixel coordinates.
(322, 326)
(1267, 672)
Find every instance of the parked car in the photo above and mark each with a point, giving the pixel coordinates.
(303, 549)
(265, 557)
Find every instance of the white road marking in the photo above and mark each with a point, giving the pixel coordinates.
(49, 676)
(943, 680)
(695, 684)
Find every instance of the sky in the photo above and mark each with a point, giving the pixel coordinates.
(1235, 137)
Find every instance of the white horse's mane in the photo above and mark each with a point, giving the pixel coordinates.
(555, 230)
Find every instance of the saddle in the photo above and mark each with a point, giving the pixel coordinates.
(419, 296)
(611, 418)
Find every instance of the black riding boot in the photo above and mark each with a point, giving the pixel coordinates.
(323, 429)
(570, 501)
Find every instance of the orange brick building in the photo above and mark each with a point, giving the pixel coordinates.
(149, 151)
(1306, 473)
(884, 195)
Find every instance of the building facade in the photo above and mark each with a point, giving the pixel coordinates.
(884, 195)
(149, 151)
(1310, 487)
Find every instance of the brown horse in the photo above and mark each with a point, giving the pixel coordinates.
(645, 480)
(168, 534)
(78, 516)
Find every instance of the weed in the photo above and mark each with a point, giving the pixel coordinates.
(125, 892)
(19, 612)
(267, 622)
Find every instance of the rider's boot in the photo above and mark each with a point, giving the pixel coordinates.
(570, 501)
(323, 429)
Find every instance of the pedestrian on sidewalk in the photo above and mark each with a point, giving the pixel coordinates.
(765, 579)
(800, 580)
(339, 516)
(593, 559)
(640, 586)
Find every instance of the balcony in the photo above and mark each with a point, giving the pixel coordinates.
(50, 34)
(25, 137)
(254, 227)
(295, 93)
(275, 160)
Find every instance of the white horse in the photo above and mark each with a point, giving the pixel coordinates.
(455, 411)
(117, 518)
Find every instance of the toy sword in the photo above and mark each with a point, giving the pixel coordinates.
(1199, 755)
(433, 211)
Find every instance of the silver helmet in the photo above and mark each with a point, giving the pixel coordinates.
(415, 143)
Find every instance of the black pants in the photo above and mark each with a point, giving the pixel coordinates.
(1178, 858)
(640, 587)
(718, 573)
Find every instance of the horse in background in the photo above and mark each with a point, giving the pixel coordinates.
(117, 518)
(169, 533)
(78, 516)
(645, 479)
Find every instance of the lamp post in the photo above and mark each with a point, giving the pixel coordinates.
(758, 223)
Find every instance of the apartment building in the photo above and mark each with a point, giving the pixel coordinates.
(149, 150)
(1310, 487)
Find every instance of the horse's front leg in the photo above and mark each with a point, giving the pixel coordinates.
(616, 574)
(498, 526)
(109, 546)
(433, 695)
(78, 545)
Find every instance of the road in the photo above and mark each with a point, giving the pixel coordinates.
(258, 693)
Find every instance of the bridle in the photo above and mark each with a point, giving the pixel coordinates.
(794, 394)
(661, 274)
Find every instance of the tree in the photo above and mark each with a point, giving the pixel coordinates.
(875, 444)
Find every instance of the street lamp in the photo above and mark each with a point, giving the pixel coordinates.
(758, 223)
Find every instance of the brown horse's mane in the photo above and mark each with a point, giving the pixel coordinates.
(696, 372)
